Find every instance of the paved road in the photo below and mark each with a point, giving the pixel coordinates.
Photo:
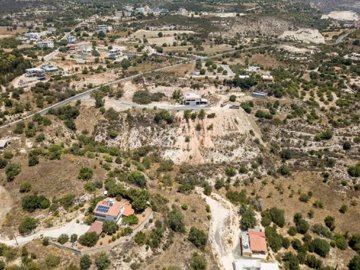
(70, 228)
(125, 105)
(87, 93)
(342, 37)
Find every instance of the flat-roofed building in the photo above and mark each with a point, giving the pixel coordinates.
(193, 99)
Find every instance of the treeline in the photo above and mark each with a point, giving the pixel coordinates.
(11, 65)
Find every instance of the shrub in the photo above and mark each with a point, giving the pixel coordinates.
(85, 262)
(274, 239)
(321, 230)
(198, 262)
(354, 242)
(232, 98)
(25, 187)
(176, 220)
(32, 202)
(52, 261)
(324, 135)
(320, 247)
(313, 262)
(330, 222)
(67, 201)
(277, 216)
(340, 241)
(27, 225)
(198, 238)
(354, 264)
(85, 173)
(88, 239)
(140, 238)
(164, 116)
(248, 219)
(102, 261)
(237, 197)
(284, 169)
(63, 238)
(230, 172)
(354, 171)
(11, 171)
(110, 227)
(137, 178)
(3, 163)
(291, 261)
(343, 209)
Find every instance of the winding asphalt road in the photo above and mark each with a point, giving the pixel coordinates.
(87, 93)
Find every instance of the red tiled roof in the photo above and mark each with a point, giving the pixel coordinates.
(257, 241)
(97, 227)
(128, 211)
(113, 205)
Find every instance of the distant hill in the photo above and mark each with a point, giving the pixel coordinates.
(331, 5)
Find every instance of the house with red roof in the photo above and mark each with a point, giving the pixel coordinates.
(253, 244)
(111, 209)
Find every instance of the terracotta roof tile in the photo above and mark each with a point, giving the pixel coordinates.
(257, 241)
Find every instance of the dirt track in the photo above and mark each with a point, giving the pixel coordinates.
(224, 233)
(5, 202)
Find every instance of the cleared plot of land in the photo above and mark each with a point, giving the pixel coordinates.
(6, 33)
(342, 16)
(305, 35)
(153, 34)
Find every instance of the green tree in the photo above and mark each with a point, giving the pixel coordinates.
(320, 247)
(198, 262)
(11, 171)
(354, 264)
(248, 219)
(330, 222)
(176, 220)
(85, 173)
(140, 238)
(110, 227)
(63, 238)
(85, 262)
(27, 225)
(25, 187)
(88, 239)
(102, 261)
(198, 238)
(354, 242)
(137, 178)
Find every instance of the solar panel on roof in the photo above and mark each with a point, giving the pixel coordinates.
(103, 209)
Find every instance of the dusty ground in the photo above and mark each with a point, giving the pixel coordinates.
(284, 193)
(224, 233)
(342, 16)
(154, 34)
(5, 202)
(52, 178)
(5, 33)
(304, 35)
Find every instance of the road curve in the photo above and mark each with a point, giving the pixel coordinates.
(87, 93)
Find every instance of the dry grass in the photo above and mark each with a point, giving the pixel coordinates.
(52, 178)
(284, 193)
